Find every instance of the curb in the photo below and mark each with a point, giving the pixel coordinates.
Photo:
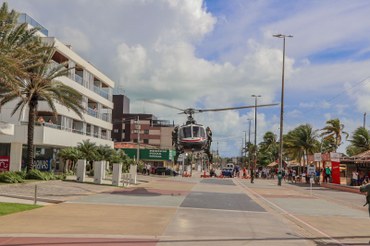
(342, 188)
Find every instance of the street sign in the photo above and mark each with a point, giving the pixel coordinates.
(311, 170)
(317, 156)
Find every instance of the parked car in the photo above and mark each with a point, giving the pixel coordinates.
(227, 172)
(165, 171)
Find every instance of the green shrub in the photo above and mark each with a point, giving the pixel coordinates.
(37, 174)
(11, 177)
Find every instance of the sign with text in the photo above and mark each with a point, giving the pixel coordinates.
(4, 163)
(317, 156)
(42, 165)
(151, 154)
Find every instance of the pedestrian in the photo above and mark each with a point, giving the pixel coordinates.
(294, 173)
(148, 168)
(328, 174)
(244, 173)
(354, 178)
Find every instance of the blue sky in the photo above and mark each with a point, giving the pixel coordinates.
(218, 53)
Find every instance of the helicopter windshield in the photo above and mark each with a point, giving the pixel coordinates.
(185, 132)
(198, 132)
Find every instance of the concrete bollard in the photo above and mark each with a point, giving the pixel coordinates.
(81, 170)
(98, 172)
(117, 174)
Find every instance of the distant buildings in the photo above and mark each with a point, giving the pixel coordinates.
(152, 132)
(67, 129)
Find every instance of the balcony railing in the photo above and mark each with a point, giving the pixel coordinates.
(63, 128)
(101, 92)
(24, 18)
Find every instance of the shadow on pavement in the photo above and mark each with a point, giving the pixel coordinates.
(135, 192)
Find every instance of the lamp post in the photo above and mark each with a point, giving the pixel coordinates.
(255, 137)
(283, 36)
(249, 139)
(138, 141)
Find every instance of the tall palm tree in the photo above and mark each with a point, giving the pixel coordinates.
(360, 141)
(20, 49)
(269, 149)
(301, 142)
(333, 131)
(40, 84)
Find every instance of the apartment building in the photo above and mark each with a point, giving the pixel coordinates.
(67, 129)
(142, 128)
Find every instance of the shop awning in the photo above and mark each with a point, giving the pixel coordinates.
(272, 164)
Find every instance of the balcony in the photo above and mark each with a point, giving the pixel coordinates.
(45, 133)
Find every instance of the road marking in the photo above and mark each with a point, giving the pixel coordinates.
(289, 214)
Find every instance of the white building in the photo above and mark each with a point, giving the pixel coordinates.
(68, 129)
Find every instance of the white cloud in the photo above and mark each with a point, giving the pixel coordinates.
(180, 53)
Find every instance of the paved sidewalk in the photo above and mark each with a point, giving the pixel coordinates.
(186, 211)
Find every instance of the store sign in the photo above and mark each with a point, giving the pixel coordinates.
(4, 163)
(42, 165)
(151, 154)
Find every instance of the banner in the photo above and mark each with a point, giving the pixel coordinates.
(335, 170)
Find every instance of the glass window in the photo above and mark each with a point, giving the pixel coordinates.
(196, 131)
(185, 132)
(202, 133)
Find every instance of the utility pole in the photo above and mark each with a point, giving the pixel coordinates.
(283, 36)
(365, 120)
(255, 138)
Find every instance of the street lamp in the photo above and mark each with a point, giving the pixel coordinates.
(282, 105)
(255, 137)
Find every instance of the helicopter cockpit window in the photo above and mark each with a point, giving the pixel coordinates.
(202, 133)
(196, 131)
(186, 132)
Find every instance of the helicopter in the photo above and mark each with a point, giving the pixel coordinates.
(195, 137)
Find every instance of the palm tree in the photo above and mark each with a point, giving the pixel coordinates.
(20, 49)
(40, 84)
(301, 142)
(70, 155)
(360, 141)
(333, 131)
(88, 151)
(269, 149)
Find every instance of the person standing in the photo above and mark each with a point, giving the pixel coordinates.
(354, 178)
(328, 174)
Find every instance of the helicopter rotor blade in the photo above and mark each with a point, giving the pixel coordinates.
(233, 108)
(166, 105)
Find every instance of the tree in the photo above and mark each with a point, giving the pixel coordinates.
(40, 84)
(360, 142)
(300, 142)
(88, 151)
(333, 132)
(70, 155)
(20, 49)
(269, 149)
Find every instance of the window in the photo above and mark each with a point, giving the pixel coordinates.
(185, 132)
(146, 141)
(115, 130)
(146, 131)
